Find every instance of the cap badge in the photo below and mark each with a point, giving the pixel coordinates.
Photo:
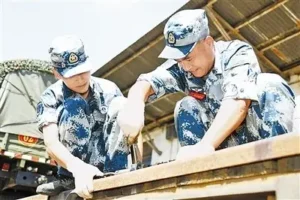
(171, 38)
(73, 58)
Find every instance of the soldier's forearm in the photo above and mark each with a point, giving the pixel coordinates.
(60, 154)
(231, 114)
(141, 90)
(56, 149)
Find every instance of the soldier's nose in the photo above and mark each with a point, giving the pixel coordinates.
(186, 67)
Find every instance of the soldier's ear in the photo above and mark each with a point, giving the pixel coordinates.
(209, 40)
(56, 74)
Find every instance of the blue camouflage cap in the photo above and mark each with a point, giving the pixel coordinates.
(182, 31)
(68, 56)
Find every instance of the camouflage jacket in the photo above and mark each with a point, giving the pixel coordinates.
(233, 75)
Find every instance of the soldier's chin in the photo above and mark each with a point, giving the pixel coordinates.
(198, 73)
(82, 90)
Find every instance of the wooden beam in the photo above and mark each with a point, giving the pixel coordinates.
(256, 16)
(36, 197)
(136, 55)
(217, 24)
(277, 38)
(293, 71)
(271, 197)
(291, 15)
(280, 41)
(276, 147)
(267, 62)
(238, 187)
(274, 157)
(159, 121)
(261, 13)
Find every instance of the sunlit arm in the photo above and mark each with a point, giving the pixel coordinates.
(230, 115)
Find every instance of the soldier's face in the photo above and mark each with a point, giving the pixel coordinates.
(79, 83)
(201, 59)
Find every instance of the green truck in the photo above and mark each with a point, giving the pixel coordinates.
(24, 162)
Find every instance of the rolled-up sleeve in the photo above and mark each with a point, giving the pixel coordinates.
(167, 78)
(240, 74)
(46, 109)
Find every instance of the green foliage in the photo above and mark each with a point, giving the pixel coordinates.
(24, 64)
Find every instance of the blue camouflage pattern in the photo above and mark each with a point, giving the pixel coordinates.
(87, 127)
(186, 27)
(236, 75)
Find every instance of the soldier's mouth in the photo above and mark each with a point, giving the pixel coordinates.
(194, 71)
(83, 85)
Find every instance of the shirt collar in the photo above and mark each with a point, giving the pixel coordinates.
(218, 64)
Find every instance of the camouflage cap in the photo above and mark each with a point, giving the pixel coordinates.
(182, 31)
(68, 56)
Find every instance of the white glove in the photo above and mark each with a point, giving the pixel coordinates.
(83, 174)
(131, 119)
(193, 151)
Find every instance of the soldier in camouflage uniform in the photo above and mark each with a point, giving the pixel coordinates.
(229, 101)
(77, 116)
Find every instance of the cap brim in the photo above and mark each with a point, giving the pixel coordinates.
(177, 52)
(81, 68)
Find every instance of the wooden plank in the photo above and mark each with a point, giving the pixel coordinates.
(289, 165)
(275, 155)
(232, 174)
(288, 187)
(241, 186)
(244, 171)
(262, 169)
(271, 197)
(277, 147)
(36, 197)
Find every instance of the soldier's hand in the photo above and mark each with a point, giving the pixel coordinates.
(84, 174)
(193, 151)
(131, 119)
